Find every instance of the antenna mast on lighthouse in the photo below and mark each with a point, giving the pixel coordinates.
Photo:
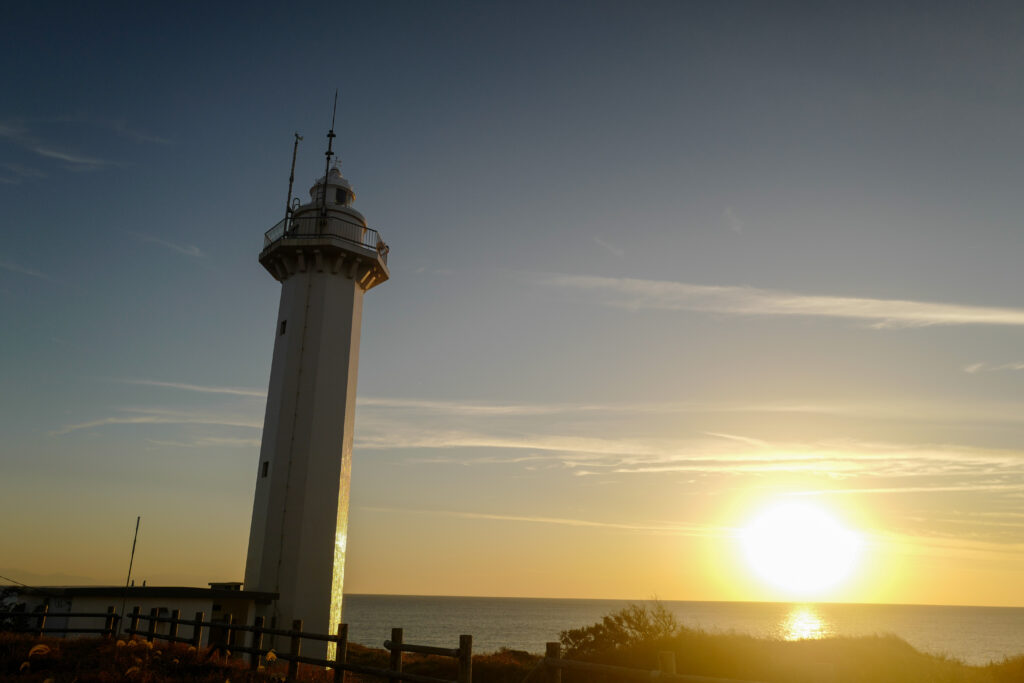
(330, 153)
(291, 177)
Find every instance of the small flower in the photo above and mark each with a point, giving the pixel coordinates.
(271, 657)
(39, 649)
(120, 643)
(149, 644)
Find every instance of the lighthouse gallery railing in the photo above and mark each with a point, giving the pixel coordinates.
(331, 227)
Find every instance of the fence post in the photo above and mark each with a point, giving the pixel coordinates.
(42, 620)
(296, 648)
(257, 644)
(465, 659)
(197, 631)
(396, 653)
(151, 631)
(108, 623)
(172, 630)
(553, 651)
(133, 625)
(340, 653)
(229, 634)
(667, 662)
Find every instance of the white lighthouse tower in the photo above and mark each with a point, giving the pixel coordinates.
(325, 257)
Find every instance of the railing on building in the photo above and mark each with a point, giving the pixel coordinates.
(334, 228)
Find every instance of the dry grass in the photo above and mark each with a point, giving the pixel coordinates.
(89, 660)
(834, 660)
(874, 659)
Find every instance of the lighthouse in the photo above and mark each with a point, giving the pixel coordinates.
(325, 257)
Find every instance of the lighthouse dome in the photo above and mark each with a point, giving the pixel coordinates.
(339, 190)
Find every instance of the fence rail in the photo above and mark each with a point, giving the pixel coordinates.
(550, 667)
(110, 622)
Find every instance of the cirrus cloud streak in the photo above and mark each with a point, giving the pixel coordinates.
(636, 293)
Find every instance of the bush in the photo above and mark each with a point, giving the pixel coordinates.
(629, 626)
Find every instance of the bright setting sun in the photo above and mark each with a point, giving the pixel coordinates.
(800, 548)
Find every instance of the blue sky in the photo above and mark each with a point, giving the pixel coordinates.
(652, 265)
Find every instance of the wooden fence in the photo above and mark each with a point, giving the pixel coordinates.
(110, 621)
(224, 636)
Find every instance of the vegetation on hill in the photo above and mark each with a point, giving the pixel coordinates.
(632, 637)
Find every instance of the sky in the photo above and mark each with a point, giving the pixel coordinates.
(655, 267)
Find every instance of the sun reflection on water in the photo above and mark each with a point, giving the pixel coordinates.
(804, 623)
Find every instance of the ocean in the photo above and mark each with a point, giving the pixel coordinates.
(974, 635)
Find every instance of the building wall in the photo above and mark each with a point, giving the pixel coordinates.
(300, 515)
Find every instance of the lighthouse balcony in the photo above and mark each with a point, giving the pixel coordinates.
(345, 233)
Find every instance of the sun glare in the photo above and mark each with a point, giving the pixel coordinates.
(800, 548)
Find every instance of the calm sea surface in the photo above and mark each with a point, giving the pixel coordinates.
(975, 635)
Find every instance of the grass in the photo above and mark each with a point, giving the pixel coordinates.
(876, 659)
(634, 636)
(92, 660)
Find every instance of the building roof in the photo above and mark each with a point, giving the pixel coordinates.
(174, 592)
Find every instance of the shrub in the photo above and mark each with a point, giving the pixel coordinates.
(629, 626)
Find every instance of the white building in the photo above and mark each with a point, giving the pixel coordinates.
(325, 257)
(216, 604)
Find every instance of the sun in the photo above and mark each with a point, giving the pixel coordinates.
(800, 548)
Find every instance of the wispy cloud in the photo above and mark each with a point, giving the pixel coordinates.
(672, 528)
(71, 158)
(679, 296)
(13, 131)
(156, 416)
(22, 136)
(609, 247)
(734, 223)
(24, 270)
(713, 453)
(122, 128)
(208, 442)
(990, 367)
(233, 391)
(23, 171)
(186, 249)
(470, 407)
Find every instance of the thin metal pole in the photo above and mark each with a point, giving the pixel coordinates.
(291, 177)
(330, 153)
(131, 561)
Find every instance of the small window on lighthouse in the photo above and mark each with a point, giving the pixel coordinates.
(284, 324)
(266, 469)
(339, 195)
